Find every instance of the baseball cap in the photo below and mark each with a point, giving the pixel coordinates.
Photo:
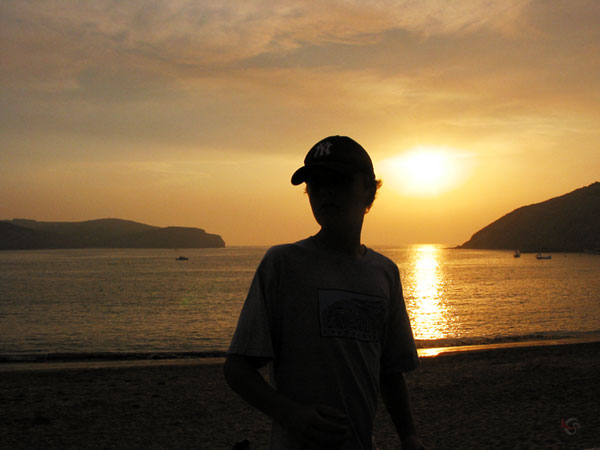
(338, 153)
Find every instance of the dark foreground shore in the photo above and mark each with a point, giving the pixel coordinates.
(517, 398)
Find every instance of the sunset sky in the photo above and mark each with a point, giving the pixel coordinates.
(196, 113)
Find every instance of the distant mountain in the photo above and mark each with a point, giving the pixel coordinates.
(103, 233)
(569, 223)
(13, 237)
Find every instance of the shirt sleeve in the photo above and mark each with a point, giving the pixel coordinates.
(399, 352)
(253, 335)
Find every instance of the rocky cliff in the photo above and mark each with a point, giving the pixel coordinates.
(103, 233)
(569, 223)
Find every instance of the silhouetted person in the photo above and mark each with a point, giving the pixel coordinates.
(328, 314)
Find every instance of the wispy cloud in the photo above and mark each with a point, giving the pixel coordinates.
(144, 74)
(57, 39)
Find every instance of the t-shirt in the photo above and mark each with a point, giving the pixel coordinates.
(330, 326)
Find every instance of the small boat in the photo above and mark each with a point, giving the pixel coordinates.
(540, 256)
(517, 254)
(181, 258)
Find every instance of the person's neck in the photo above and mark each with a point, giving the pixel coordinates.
(347, 243)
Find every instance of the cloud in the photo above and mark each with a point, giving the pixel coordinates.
(52, 39)
(150, 74)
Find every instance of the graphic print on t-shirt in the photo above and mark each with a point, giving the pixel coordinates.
(351, 315)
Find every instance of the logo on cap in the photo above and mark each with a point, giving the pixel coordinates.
(323, 149)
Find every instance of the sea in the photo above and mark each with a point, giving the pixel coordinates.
(148, 304)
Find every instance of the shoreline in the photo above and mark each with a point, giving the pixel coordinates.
(60, 361)
(513, 397)
(435, 351)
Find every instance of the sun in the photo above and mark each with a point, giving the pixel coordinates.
(423, 171)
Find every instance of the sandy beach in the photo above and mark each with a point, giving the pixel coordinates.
(516, 398)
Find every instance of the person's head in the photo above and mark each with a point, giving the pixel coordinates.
(339, 177)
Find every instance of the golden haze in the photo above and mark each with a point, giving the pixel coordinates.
(191, 114)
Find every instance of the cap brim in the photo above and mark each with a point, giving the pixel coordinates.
(301, 175)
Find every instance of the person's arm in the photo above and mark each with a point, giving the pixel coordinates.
(395, 397)
(242, 375)
(314, 426)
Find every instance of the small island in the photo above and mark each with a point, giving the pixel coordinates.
(569, 223)
(27, 234)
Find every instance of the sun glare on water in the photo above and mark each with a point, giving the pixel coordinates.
(423, 171)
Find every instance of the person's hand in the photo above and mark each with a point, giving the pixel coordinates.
(317, 426)
(412, 442)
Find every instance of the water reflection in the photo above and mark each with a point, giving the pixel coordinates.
(424, 294)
